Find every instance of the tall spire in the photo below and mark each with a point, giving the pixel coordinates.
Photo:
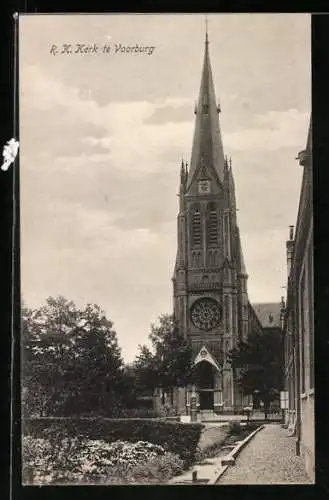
(207, 146)
(207, 41)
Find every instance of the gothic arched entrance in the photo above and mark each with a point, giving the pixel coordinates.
(205, 384)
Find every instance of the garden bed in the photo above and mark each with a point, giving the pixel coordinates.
(177, 438)
(106, 451)
(76, 462)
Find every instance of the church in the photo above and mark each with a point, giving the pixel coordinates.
(211, 304)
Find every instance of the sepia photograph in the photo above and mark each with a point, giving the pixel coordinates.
(166, 239)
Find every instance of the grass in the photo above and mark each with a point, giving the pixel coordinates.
(234, 432)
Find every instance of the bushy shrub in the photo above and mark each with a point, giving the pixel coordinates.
(45, 460)
(251, 426)
(235, 428)
(174, 437)
(167, 411)
(136, 413)
(91, 461)
(158, 469)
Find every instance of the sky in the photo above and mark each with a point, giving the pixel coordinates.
(102, 135)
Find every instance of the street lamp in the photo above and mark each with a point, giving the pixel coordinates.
(193, 404)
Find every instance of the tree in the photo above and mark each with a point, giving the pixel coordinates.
(146, 369)
(169, 363)
(71, 361)
(258, 363)
(45, 351)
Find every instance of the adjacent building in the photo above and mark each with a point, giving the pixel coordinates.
(299, 320)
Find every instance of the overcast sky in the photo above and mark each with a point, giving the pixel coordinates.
(102, 136)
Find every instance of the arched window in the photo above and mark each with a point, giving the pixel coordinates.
(212, 224)
(196, 226)
(210, 258)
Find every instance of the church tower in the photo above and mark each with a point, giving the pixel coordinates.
(211, 304)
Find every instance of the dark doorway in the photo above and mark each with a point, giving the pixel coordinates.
(206, 399)
(205, 385)
(205, 375)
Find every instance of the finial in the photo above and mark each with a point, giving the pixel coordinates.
(291, 233)
(207, 41)
(182, 173)
(230, 162)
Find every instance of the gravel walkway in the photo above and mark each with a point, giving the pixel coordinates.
(269, 458)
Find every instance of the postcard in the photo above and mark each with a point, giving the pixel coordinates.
(166, 249)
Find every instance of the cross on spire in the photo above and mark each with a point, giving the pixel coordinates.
(207, 41)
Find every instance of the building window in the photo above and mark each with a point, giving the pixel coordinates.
(210, 258)
(187, 398)
(196, 226)
(196, 259)
(212, 224)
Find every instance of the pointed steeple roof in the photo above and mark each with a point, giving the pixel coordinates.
(207, 146)
(309, 143)
(305, 156)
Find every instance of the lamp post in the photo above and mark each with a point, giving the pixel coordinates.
(193, 405)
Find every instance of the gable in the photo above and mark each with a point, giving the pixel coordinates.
(204, 355)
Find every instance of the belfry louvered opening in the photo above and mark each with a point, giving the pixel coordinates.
(196, 226)
(212, 224)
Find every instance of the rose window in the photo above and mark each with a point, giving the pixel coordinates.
(206, 314)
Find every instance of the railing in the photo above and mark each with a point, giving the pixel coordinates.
(271, 415)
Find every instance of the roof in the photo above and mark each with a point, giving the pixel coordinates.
(305, 156)
(268, 314)
(207, 146)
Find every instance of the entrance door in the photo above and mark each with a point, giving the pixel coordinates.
(206, 399)
(205, 385)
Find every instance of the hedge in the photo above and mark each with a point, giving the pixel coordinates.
(136, 413)
(180, 439)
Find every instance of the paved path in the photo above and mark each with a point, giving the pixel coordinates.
(269, 458)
